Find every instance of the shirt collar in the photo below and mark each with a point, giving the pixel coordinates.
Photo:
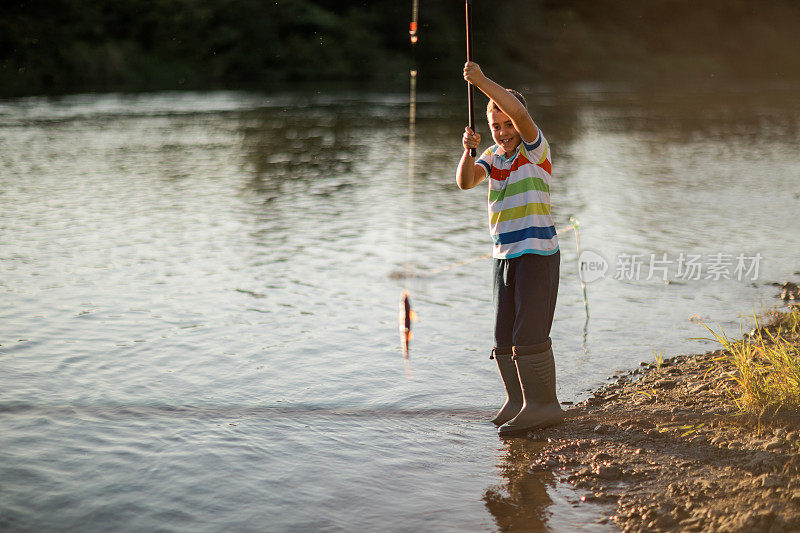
(505, 159)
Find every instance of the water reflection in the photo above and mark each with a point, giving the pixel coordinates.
(301, 146)
(521, 502)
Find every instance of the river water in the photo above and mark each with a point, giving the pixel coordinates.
(198, 329)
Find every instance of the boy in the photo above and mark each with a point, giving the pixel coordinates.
(526, 254)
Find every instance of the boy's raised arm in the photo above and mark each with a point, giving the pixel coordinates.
(507, 103)
(469, 174)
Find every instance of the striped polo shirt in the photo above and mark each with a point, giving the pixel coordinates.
(519, 200)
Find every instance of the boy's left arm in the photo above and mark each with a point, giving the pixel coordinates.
(506, 101)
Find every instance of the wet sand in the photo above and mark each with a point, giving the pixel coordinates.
(664, 449)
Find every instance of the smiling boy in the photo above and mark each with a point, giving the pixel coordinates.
(525, 252)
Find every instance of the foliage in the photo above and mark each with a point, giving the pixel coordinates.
(767, 365)
(68, 45)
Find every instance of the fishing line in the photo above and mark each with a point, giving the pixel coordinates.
(412, 123)
(407, 315)
(412, 29)
(574, 222)
(562, 231)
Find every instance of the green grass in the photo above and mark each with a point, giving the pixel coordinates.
(767, 365)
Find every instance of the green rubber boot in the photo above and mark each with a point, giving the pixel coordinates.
(508, 373)
(537, 374)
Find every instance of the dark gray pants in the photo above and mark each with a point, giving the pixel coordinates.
(525, 291)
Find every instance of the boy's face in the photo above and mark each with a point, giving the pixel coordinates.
(503, 131)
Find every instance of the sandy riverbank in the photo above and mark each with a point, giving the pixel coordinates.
(665, 449)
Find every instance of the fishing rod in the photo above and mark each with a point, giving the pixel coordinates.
(473, 152)
(470, 92)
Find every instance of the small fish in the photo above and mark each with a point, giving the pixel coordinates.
(406, 317)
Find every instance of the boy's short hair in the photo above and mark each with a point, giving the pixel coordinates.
(492, 105)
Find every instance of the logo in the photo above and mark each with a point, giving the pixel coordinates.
(593, 266)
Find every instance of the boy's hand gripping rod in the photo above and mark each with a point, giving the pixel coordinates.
(471, 107)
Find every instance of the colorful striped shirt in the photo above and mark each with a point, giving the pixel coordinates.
(519, 200)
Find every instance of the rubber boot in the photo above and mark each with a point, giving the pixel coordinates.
(537, 374)
(508, 373)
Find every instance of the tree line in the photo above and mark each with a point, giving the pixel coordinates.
(51, 46)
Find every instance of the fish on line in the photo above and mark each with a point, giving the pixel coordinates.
(405, 318)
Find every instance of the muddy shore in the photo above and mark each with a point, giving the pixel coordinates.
(664, 448)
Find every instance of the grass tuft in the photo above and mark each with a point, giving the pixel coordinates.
(659, 360)
(767, 365)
